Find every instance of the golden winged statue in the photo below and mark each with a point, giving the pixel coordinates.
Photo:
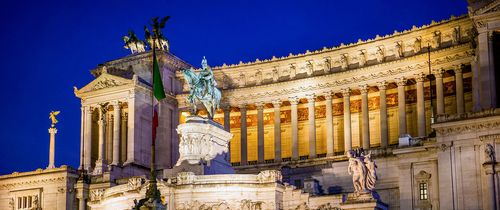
(52, 117)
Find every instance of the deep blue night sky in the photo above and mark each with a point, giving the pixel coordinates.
(48, 47)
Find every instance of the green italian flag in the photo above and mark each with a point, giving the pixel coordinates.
(158, 92)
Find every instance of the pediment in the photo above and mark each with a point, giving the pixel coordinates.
(489, 8)
(104, 81)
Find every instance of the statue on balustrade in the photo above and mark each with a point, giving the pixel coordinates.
(202, 88)
(363, 171)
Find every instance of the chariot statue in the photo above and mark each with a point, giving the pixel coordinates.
(157, 39)
(52, 117)
(133, 43)
(202, 88)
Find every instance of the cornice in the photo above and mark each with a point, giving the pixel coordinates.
(342, 45)
(38, 177)
(469, 123)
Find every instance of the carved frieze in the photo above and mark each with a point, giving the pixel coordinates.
(96, 194)
(106, 83)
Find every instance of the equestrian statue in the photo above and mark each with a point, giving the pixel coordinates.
(202, 88)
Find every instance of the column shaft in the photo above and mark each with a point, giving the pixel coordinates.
(277, 131)
(312, 126)
(82, 131)
(459, 85)
(87, 139)
(347, 120)
(260, 132)
(227, 118)
(402, 106)
(365, 117)
(243, 143)
(52, 132)
(295, 129)
(420, 105)
(116, 133)
(439, 92)
(329, 124)
(384, 139)
(131, 131)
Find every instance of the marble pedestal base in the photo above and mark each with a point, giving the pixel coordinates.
(203, 148)
(363, 201)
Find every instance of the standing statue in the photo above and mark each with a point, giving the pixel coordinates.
(371, 173)
(363, 171)
(52, 117)
(203, 88)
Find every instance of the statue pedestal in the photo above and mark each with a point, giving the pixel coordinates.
(203, 148)
(362, 201)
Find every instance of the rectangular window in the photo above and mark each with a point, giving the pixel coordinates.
(298, 183)
(423, 191)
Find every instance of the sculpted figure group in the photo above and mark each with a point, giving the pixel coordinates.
(363, 171)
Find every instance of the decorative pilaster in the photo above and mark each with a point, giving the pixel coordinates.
(260, 131)
(100, 164)
(243, 143)
(277, 130)
(384, 131)
(420, 104)
(401, 82)
(365, 117)
(312, 125)
(52, 132)
(116, 133)
(329, 124)
(87, 139)
(294, 101)
(439, 91)
(347, 120)
(459, 85)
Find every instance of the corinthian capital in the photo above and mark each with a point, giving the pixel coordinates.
(346, 92)
(420, 77)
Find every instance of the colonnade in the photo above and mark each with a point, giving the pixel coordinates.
(117, 118)
(382, 86)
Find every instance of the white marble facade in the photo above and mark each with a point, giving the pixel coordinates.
(296, 161)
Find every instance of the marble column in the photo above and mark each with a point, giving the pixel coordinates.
(347, 120)
(260, 131)
(227, 117)
(87, 139)
(439, 91)
(401, 82)
(420, 104)
(329, 124)
(312, 125)
(243, 127)
(131, 131)
(100, 163)
(116, 133)
(52, 145)
(277, 131)
(459, 89)
(82, 131)
(487, 83)
(294, 101)
(365, 117)
(384, 131)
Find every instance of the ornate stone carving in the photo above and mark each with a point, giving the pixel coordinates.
(363, 171)
(96, 194)
(135, 183)
(105, 83)
(489, 152)
(417, 45)
(344, 61)
(398, 49)
(269, 176)
(380, 54)
(185, 178)
(201, 140)
(251, 205)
